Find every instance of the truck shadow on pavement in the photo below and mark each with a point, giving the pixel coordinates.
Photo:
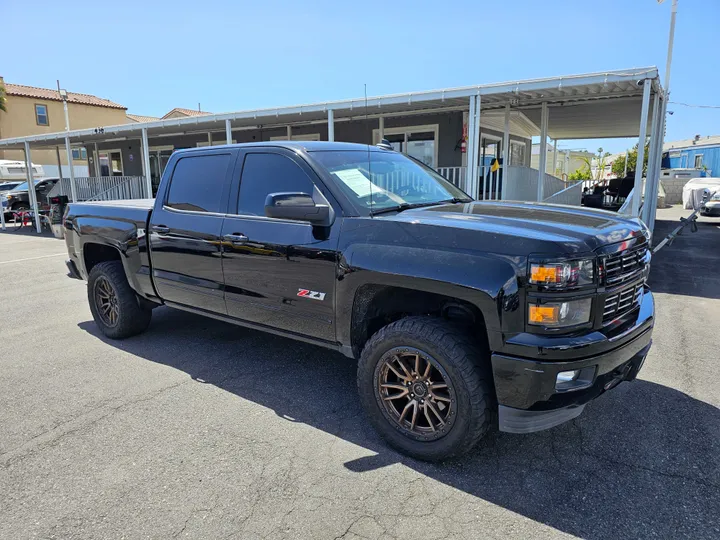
(641, 461)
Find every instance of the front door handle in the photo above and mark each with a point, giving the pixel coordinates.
(236, 238)
(162, 229)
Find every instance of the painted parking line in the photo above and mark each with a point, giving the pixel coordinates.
(33, 258)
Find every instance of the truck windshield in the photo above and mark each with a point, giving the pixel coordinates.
(24, 186)
(385, 180)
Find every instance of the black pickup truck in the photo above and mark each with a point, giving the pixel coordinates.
(462, 315)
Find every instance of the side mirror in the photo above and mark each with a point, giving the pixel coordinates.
(297, 206)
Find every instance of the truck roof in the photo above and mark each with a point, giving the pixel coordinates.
(308, 146)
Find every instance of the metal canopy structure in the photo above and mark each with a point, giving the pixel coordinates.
(613, 97)
(595, 105)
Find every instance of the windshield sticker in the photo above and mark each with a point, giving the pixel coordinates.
(356, 180)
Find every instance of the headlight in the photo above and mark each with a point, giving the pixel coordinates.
(559, 314)
(559, 275)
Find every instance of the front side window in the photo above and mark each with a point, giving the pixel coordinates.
(263, 174)
(377, 180)
(41, 115)
(197, 183)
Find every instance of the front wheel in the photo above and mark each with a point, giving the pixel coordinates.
(421, 385)
(113, 303)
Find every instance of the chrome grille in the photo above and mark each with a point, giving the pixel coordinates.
(622, 302)
(624, 266)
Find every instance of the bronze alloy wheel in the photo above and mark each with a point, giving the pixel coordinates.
(107, 302)
(414, 392)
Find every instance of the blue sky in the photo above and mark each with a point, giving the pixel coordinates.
(154, 55)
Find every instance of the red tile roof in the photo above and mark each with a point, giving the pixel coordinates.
(141, 118)
(187, 112)
(54, 95)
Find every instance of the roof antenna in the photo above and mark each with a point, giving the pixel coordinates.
(199, 109)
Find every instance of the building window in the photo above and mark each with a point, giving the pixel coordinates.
(698, 161)
(79, 153)
(41, 115)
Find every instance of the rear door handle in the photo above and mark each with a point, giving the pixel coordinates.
(162, 229)
(236, 238)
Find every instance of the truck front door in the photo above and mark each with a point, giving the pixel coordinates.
(185, 231)
(278, 273)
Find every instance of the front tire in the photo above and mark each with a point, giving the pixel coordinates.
(113, 303)
(422, 387)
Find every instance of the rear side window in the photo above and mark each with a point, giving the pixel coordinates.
(197, 183)
(263, 174)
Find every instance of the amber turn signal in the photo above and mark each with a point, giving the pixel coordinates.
(544, 274)
(544, 314)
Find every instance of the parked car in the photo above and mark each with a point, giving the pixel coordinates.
(18, 198)
(461, 314)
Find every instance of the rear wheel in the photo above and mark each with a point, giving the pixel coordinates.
(113, 303)
(421, 385)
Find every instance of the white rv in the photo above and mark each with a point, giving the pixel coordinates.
(16, 170)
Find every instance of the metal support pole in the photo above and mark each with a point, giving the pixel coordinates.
(228, 131)
(209, 139)
(68, 150)
(543, 151)
(59, 161)
(554, 166)
(331, 125)
(31, 187)
(381, 128)
(652, 173)
(146, 163)
(647, 83)
(658, 164)
(626, 160)
(97, 161)
(506, 151)
(472, 147)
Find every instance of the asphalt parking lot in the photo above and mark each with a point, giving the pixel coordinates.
(200, 429)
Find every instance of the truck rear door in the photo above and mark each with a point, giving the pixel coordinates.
(278, 272)
(185, 229)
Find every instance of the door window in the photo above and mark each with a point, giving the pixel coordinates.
(197, 183)
(263, 174)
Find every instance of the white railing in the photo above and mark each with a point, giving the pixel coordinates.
(571, 195)
(454, 175)
(103, 188)
(522, 184)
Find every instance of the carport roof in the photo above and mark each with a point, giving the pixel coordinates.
(594, 105)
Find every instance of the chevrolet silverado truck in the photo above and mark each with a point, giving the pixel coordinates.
(462, 315)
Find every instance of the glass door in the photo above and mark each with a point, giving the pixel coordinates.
(110, 163)
(490, 159)
(419, 142)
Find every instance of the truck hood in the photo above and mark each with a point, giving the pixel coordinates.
(572, 229)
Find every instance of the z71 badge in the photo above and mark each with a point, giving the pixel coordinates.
(314, 295)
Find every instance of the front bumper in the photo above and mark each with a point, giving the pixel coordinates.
(526, 386)
(711, 208)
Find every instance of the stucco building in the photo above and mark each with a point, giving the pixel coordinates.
(36, 111)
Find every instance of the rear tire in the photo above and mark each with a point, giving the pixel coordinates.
(114, 305)
(464, 402)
